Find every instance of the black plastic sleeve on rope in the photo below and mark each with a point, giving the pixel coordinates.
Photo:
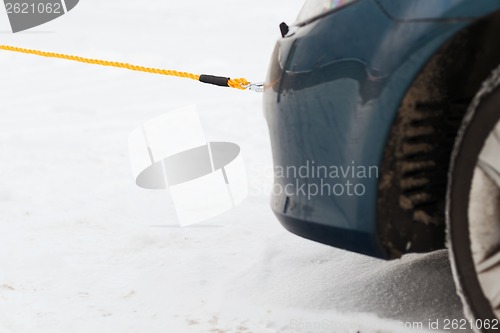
(216, 80)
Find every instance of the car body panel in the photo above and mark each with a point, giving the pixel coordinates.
(333, 89)
(436, 10)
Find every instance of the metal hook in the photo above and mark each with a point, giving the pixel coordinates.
(257, 87)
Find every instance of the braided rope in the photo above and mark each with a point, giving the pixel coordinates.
(239, 83)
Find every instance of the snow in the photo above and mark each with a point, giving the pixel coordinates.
(82, 249)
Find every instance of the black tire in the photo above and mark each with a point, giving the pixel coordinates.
(479, 122)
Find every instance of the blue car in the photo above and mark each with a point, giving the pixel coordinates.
(384, 118)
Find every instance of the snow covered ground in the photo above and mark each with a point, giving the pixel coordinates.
(82, 249)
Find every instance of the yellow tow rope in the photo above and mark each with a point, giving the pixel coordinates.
(239, 83)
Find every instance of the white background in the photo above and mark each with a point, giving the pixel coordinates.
(82, 249)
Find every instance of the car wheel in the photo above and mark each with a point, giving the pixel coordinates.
(473, 209)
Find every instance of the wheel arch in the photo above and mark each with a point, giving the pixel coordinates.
(413, 172)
